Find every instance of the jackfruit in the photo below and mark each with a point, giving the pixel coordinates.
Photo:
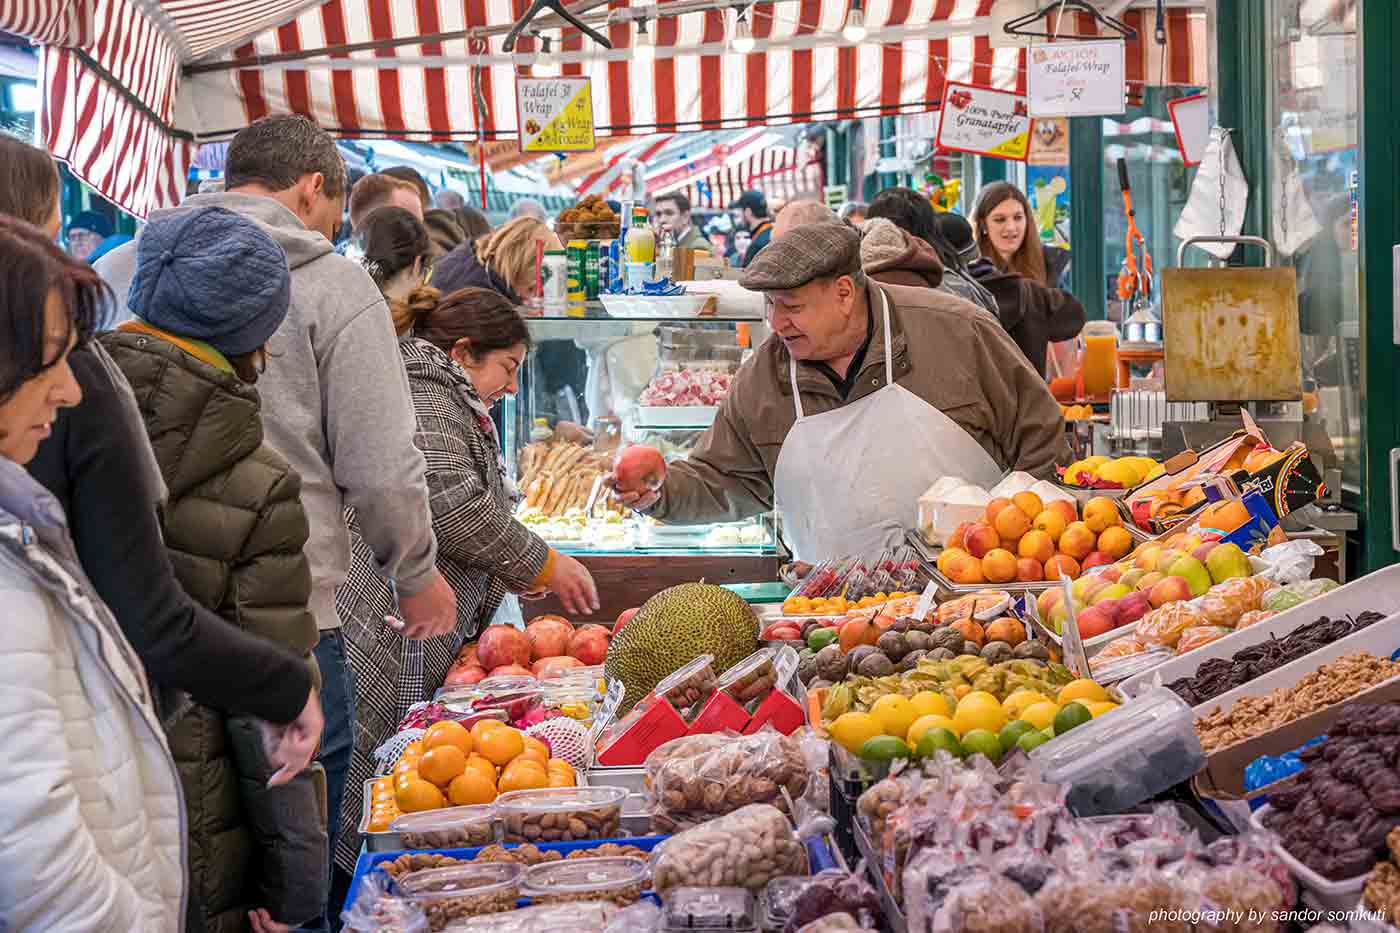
(673, 628)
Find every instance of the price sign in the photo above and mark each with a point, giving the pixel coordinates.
(555, 114)
(984, 121)
(1077, 79)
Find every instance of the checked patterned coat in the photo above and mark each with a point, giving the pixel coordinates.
(482, 551)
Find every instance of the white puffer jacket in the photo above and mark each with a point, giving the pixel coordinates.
(91, 821)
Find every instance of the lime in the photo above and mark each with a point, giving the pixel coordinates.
(982, 742)
(851, 730)
(1040, 715)
(1082, 689)
(894, 713)
(1012, 732)
(925, 723)
(1032, 740)
(884, 748)
(820, 638)
(937, 739)
(1070, 716)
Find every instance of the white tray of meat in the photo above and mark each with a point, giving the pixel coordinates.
(683, 398)
(689, 416)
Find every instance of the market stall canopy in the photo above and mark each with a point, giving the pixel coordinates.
(132, 85)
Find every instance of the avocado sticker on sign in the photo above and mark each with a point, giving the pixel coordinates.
(555, 114)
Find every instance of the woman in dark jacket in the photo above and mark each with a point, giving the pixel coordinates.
(210, 289)
(914, 214)
(462, 354)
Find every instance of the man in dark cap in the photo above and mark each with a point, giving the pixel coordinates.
(86, 231)
(862, 398)
(751, 214)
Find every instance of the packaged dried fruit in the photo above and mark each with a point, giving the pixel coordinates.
(1164, 626)
(586, 917)
(561, 814)
(710, 908)
(1254, 618)
(449, 894)
(691, 685)
(1200, 635)
(753, 678)
(779, 900)
(619, 879)
(746, 849)
(450, 828)
(377, 911)
(722, 777)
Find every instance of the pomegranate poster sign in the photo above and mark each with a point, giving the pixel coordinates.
(984, 121)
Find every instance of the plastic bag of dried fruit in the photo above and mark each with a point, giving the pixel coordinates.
(834, 893)
(745, 849)
(688, 789)
(377, 911)
(988, 903)
(1164, 626)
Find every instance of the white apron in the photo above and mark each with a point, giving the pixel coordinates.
(848, 481)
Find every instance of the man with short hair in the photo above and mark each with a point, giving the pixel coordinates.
(415, 178)
(910, 384)
(751, 213)
(380, 190)
(800, 213)
(529, 207)
(449, 200)
(672, 212)
(333, 369)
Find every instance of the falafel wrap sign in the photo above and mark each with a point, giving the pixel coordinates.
(555, 114)
(984, 121)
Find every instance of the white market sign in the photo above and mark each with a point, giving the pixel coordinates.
(984, 121)
(555, 114)
(1077, 79)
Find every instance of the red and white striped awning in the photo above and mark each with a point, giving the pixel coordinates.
(133, 84)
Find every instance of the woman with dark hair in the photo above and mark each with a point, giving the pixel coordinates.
(444, 231)
(89, 794)
(462, 354)
(1003, 219)
(474, 223)
(913, 214)
(29, 186)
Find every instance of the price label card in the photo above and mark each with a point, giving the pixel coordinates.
(555, 114)
(925, 603)
(984, 121)
(1191, 120)
(1077, 79)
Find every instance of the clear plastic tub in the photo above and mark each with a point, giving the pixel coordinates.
(779, 899)
(691, 685)
(732, 909)
(1333, 894)
(753, 678)
(1125, 756)
(619, 879)
(561, 814)
(460, 891)
(547, 918)
(450, 828)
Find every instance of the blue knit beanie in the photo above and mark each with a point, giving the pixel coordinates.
(212, 275)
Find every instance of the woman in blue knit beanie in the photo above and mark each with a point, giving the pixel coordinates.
(211, 290)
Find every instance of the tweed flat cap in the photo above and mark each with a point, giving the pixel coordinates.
(809, 252)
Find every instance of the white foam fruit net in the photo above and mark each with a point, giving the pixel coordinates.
(388, 753)
(567, 739)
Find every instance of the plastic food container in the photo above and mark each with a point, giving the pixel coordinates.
(460, 891)
(450, 828)
(561, 814)
(1125, 756)
(690, 685)
(1335, 894)
(732, 909)
(547, 918)
(753, 678)
(619, 879)
(779, 900)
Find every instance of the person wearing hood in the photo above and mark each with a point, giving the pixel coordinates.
(90, 806)
(333, 370)
(1035, 315)
(211, 288)
(913, 213)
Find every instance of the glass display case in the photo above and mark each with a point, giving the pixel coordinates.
(652, 379)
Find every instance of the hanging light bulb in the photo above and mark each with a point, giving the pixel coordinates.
(742, 43)
(854, 30)
(643, 49)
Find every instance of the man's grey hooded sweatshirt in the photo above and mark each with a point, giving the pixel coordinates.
(335, 404)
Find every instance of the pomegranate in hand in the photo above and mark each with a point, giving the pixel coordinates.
(639, 469)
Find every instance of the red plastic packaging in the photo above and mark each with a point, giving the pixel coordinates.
(719, 714)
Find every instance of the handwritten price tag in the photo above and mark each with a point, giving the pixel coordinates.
(555, 114)
(1077, 79)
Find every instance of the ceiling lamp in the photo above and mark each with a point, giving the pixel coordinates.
(742, 43)
(643, 48)
(854, 30)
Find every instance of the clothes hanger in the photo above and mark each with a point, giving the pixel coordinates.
(554, 6)
(1017, 27)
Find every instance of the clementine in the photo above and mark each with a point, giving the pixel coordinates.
(448, 732)
(441, 764)
(471, 787)
(500, 745)
(418, 795)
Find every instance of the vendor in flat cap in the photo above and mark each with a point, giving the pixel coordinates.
(862, 398)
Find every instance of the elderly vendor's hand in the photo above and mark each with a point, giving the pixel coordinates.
(637, 476)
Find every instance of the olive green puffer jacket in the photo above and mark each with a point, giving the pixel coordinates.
(235, 529)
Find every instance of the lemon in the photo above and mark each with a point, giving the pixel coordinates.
(979, 710)
(852, 730)
(1040, 715)
(928, 703)
(1122, 474)
(895, 714)
(1097, 709)
(925, 723)
(1082, 689)
(1019, 701)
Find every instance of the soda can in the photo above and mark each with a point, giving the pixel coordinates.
(577, 259)
(590, 271)
(554, 280)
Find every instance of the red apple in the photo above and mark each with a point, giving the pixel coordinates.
(1169, 590)
(1097, 559)
(639, 468)
(549, 637)
(981, 539)
(500, 645)
(1094, 621)
(623, 619)
(553, 667)
(1133, 607)
(510, 670)
(590, 644)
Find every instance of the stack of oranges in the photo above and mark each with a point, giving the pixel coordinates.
(454, 766)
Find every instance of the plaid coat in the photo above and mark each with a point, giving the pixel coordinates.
(482, 551)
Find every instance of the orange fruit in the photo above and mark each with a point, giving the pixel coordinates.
(418, 795)
(379, 823)
(448, 732)
(562, 780)
(500, 745)
(404, 765)
(559, 765)
(481, 765)
(523, 778)
(535, 749)
(482, 727)
(441, 764)
(471, 787)
(401, 779)
(416, 748)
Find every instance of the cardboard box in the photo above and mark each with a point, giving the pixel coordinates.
(1223, 776)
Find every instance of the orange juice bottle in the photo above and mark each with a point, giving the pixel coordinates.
(1100, 363)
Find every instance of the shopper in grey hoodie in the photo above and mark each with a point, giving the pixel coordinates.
(335, 400)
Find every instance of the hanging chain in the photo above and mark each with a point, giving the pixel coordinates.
(1283, 179)
(1224, 138)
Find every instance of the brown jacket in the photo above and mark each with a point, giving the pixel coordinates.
(946, 351)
